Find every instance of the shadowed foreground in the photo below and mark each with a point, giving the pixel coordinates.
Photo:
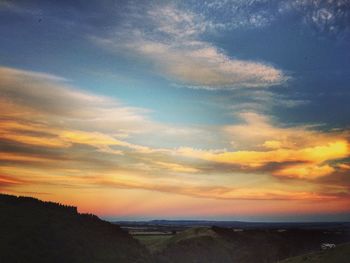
(217, 244)
(340, 254)
(36, 231)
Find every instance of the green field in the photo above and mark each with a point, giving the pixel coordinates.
(154, 243)
(157, 242)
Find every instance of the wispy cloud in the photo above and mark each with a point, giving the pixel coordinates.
(220, 192)
(171, 39)
(324, 16)
(49, 144)
(330, 17)
(8, 181)
(233, 14)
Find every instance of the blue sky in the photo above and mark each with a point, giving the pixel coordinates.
(197, 82)
(306, 40)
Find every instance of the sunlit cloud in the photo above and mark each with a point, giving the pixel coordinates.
(257, 131)
(302, 151)
(8, 182)
(344, 166)
(222, 192)
(49, 145)
(177, 167)
(255, 159)
(305, 171)
(174, 46)
(177, 108)
(5, 156)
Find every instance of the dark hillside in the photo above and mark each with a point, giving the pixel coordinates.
(218, 244)
(339, 254)
(36, 231)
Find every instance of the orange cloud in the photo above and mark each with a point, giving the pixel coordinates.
(5, 156)
(8, 181)
(58, 140)
(305, 171)
(314, 155)
(259, 131)
(177, 167)
(309, 161)
(211, 191)
(343, 166)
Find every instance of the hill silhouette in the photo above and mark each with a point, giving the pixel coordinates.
(36, 231)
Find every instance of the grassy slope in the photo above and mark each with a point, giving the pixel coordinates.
(340, 254)
(154, 243)
(250, 246)
(35, 231)
(194, 245)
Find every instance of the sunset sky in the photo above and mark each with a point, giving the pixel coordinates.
(224, 109)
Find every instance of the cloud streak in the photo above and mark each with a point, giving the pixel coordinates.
(171, 41)
(300, 152)
(47, 144)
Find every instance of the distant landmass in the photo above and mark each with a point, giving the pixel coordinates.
(35, 231)
(236, 224)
